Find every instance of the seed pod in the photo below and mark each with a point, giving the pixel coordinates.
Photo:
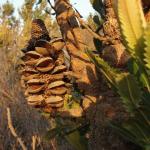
(35, 86)
(33, 54)
(57, 44)
(27, 78)
(56, 84)
(59, 91)
(45, 64)
(43, 51)
(45, 44)
(31, 62)
(35, 89)
(35, 99)
(59, 69)
(53, 99)
(29, 70)
(35, 82)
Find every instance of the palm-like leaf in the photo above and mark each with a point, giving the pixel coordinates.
(125, 83)
(133, 86)
(147, 48)
(109, 72)
(132, 25)
(138, 69)
(129, 91)
(135, 131)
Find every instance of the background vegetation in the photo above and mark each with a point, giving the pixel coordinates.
(121, 106)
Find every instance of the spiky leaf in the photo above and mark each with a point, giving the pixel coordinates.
(129, 91)
(147, 48)
(134, 131)
(138, 69)
(137, 130)
(124, 132)
(132, 25)
(76, 140)
(109, 72)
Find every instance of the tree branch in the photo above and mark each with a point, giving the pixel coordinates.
(89, 29)
(12, 130)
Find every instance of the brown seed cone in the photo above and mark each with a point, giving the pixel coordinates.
(38, 30)
(43, 75)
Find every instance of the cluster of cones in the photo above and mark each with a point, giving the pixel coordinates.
(44, 75)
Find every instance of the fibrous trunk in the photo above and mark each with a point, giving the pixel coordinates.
(80, 63)
(114, 51)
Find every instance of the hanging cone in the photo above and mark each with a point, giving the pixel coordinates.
(42, 72)
(38, 31)
(43, 75)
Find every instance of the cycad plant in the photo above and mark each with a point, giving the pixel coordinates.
(133, 85)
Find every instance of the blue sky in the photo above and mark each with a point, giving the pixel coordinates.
(83, 6)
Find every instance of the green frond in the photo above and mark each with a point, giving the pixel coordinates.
(139, 71)
(125, 83)
(147, 48)
(135, 131)
(124, 133)
(129, 91)
(132, 23)
(109, 72)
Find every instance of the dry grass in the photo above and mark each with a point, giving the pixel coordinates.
(27, 122)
